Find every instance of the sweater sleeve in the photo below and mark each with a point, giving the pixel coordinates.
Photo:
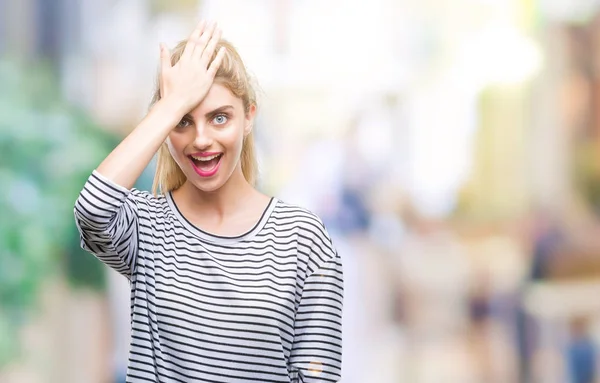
(316, 354)
(107, 217)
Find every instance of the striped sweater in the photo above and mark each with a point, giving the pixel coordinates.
(265, 306)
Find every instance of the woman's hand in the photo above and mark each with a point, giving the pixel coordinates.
(187, 82)
(183, 86)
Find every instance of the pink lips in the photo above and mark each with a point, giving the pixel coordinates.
(205, 173)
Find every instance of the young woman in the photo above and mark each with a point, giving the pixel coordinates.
(227, 284)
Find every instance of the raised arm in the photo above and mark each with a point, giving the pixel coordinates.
(182, 87)
(107, 211)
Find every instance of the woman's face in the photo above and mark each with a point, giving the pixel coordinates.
(207, 143)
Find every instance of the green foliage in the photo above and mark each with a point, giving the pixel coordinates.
(47, 151)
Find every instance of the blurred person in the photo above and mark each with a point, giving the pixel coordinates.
(483, 327)
(581, 352)
(563, 250)
(434, 268)
(227, 283)
(547, 237)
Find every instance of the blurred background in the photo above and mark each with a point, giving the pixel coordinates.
(451, 147)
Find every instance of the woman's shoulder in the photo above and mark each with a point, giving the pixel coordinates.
(146, 203)
(316, 249)
(305, 221)
(154, 205)
(147, 196)
(302, 216)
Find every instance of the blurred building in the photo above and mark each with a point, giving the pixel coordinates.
(470, 111)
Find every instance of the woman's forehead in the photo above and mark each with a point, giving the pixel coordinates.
(217, 97)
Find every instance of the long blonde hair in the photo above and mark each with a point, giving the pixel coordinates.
(232, 74)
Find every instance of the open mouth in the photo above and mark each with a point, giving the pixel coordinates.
(206, 166)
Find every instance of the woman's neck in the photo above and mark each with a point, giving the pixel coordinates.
(223, 202)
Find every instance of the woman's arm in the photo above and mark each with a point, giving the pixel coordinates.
(107, 211)
(316, 354)
(107, 217)
(183, 86)
(127, 161)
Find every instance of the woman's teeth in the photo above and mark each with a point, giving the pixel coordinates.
(205, 158)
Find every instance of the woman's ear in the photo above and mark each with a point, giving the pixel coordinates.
(249, 120)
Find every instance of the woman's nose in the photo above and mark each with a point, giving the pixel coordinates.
(202, 139)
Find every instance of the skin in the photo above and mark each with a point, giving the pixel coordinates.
(224, 204)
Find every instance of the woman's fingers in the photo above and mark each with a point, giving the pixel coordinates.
(214, 66)
(165, 63)
(210, 47)
(190, 79)
(190, 46)
(165, 57)
(202, 42)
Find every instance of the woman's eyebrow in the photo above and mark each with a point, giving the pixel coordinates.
(211, 113)
(218, 110)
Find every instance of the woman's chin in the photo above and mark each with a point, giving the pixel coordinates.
(206, 185)
(210, 184)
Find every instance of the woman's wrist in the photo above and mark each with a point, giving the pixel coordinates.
(171, 107)
(164, 114)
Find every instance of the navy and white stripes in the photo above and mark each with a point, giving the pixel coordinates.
(265, 306)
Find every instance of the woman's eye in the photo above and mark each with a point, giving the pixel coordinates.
(220, 119)
(183, 123)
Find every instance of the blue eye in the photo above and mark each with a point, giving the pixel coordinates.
(220, 119)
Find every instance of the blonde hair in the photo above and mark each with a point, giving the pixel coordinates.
(231, 74)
